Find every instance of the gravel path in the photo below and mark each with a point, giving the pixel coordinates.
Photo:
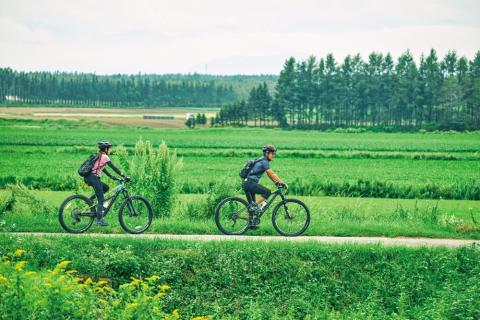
(410, 242)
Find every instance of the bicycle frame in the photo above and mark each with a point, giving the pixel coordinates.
(269, 202)
(120, 189)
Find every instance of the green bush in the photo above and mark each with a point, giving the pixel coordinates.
(256, 279)
(60, 294)
(153, 174)
(6, 201)
(22, 199)
(205, 209)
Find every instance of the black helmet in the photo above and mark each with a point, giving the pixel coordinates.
(104, 144)
(269, 148)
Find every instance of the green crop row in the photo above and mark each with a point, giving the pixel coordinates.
(252, 280)
(33, 133)
(254, 153)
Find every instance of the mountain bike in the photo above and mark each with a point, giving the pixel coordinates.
(77, 212)
(235, 216)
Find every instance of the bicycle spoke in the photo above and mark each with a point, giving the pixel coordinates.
(292, 218)
(232, 216)
(135, 215)
(75, 214)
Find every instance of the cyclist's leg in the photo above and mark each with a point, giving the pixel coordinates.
(105, 187)
(262, 191)
(95, 182)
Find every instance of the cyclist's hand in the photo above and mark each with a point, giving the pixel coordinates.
(282, 184)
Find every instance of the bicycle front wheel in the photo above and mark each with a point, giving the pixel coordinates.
(231, 216)
(135, 215)
(291, 217)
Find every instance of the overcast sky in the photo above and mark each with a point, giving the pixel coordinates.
(230, 37)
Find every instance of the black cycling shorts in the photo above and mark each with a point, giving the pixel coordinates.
(251, 188)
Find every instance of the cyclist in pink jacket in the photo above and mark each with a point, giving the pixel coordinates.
(93, 179)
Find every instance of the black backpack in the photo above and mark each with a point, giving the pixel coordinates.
(248, 167)
(87, 165)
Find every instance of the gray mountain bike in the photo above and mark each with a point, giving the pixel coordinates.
(290, 217)
(77, 213)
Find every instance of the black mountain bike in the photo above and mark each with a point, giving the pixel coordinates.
(77, 212)
(291, 217)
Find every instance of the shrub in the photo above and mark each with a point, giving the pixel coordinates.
(22, 198)
(153, 174)
(6, 201)
(205, 209)
(59, 293)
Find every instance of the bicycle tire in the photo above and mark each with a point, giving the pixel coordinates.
(276, 211)
(149, 215)
(62, 208)
(218, 218)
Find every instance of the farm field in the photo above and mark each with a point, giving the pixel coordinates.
(110, 116)
(361, 183)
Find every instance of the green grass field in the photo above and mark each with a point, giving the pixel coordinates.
(330, 216)
(356, 184)
(384, 165)
(392, 184)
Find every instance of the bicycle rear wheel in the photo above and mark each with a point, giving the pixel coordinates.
(135, 215)
(231, 216)
(76, 214)
(291, 217)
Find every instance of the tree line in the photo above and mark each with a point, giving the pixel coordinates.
(323, 93)
(60, 88)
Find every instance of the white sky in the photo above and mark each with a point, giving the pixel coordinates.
(230, 36)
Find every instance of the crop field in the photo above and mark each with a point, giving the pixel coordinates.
(170, 117)
(355, 184)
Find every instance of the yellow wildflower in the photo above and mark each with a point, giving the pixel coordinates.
(136, 282)
(152, 278)
(132, 305)
(30, 273)
(175, 313)
(101, 283)
(19, 265)
(19, 252)
(2, 278)
(164, 287)
(88, 281)
(201, 318)
(71, 271)
(108, 289)
(62, 265)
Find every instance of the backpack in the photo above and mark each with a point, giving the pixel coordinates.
(248, 167)
(87, 165)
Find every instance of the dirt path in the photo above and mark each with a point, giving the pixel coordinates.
(409, 242)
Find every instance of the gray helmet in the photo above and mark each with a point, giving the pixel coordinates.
(104, 144)
(269, 148)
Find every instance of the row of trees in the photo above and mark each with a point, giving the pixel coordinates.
(433, 94)
(58, 88)
(199, 119)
